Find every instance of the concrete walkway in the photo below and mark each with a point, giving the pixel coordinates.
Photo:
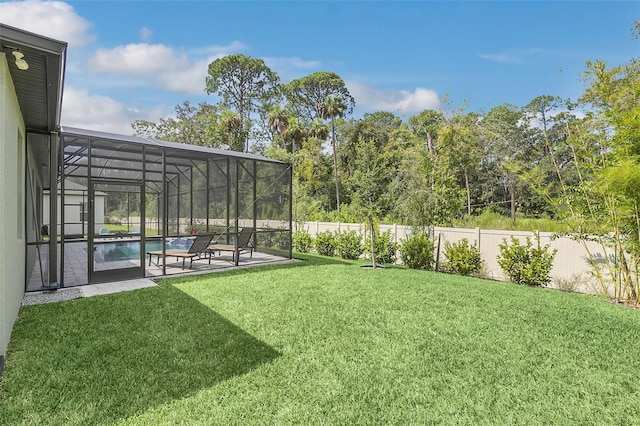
(70, 293)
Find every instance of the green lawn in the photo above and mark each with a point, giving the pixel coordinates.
(325, 342)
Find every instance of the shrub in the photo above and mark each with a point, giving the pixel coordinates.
(526, 264)
(416, 252)
(265, 239)
(349, 245)
(302, 241)
(462, 258)
(281, 240)
(385, 248)
(325, 243)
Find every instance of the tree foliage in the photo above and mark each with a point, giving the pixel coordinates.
(243, 83)
(306, 96)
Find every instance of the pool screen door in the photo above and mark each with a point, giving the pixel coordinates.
(116, 231)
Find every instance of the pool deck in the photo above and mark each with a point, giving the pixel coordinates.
(76, 270)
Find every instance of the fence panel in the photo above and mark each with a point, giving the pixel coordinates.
(571, 263)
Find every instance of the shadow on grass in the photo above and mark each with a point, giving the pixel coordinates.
(103, 359)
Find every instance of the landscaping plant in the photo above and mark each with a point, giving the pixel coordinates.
(416, 252)
(526, 264)
(349, 245)
(385, 248)
(302, 241)
(462, 258)
(325, 243)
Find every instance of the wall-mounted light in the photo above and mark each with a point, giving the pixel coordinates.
(20, 62)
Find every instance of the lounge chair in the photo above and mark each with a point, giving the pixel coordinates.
(198, 250)
(245, 244)
(104, 231)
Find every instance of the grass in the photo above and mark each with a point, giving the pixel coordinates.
(325, 342)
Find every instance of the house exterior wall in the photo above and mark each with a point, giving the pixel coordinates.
(12, 202)
(73, 225)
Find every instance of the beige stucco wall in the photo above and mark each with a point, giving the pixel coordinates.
(12, 239)
(73, 226)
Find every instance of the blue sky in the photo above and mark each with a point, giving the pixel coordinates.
(131, 60)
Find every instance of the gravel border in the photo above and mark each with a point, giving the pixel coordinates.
(41, 297)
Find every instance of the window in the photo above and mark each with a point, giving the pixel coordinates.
(83, 212)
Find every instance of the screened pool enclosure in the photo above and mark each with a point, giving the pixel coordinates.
(121, 197)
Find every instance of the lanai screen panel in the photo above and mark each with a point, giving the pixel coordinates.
(177, 189)
(219, 213)
(154, 192)
(273, 207)
(245, 176)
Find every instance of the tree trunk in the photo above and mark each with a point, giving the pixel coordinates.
(513, 200)
(374, 264)
(335, 163)
(466, 185)
(430, 146)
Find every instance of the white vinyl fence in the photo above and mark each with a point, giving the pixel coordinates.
(571, 268)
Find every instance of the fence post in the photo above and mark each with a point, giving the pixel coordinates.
(478, 233)
(438, 252)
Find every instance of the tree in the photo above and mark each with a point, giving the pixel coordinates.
(379, 127)
(231, 124)
(305, 95)
(332, 108)
(424, 194)
(296, 133)
(426, 126)
(510, 145)
(369, 184)
(192, 125)
(278, 121)
(242, 82)
(459, 139)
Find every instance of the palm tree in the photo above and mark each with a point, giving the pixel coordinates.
(333, 107)
(296, 133)
(278, 121)
(232, 125)
(317, 129)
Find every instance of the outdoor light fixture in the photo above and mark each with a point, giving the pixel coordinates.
(20, 62)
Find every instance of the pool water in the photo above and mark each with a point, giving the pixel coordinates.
(130, 250)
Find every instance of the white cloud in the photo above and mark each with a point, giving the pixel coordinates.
(160, 65)
(520, 56)
(372, 99)
(136, 59)
(501, 57)
(84, 110)
(189, 81)
(218, 50)
(145, 34)
(52, 19)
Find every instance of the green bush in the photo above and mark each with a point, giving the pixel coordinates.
(462, 258)
(349, 245)
(385, 247)
(302, 241)
(325, 243)
(265, 239)
(416, 252)
(526, 264)
(281, 240)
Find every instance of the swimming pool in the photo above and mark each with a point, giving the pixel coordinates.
(118, 250)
